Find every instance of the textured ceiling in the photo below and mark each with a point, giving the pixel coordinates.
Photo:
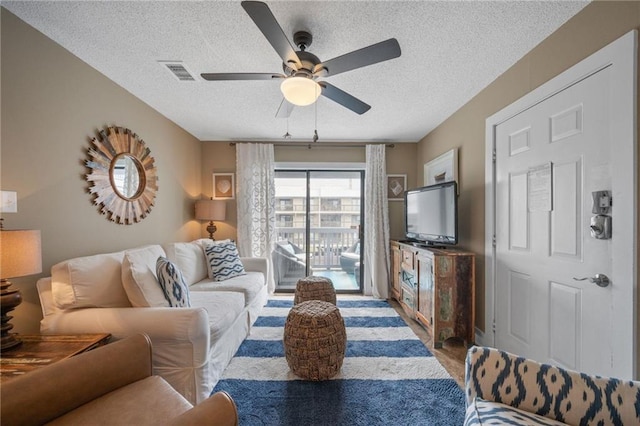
(450, 51)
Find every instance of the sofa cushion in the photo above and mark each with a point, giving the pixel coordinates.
(223, 308)
(481, 412)
(139, 276)
(175, 290)
(189, 258)
(123, 406)
(90, 281)
(249, 285)
(224, 261)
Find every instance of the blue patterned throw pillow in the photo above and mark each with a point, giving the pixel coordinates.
(172, 282)
(223, 260)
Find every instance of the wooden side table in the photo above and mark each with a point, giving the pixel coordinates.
(40, 350)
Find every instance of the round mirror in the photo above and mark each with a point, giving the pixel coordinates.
(122, 175)
(127, 176)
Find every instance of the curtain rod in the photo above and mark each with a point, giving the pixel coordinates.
(325, 144)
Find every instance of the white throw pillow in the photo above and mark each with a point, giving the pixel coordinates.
(139, 276)
(89, 282)
(190, 260)
(224, 262)
(202, 242)
(175, 290)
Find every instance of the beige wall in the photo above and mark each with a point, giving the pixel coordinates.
(594, 27)
(399, 161)
(52, 105)
(219, 157)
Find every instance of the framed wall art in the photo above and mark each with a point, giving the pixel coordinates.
(8, 202)
(396, 185)
(442, 169)
(122, 175)
(223, 186)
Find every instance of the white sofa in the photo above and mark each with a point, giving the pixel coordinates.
(118, 293)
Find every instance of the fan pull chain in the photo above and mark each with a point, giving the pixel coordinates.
(287, 135)
(315, 131)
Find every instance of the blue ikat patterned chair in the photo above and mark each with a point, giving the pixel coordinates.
(504, 389)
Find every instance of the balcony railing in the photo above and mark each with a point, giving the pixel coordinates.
(325, 244)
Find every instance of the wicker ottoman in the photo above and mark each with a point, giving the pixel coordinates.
(314, 288)
(315, 340)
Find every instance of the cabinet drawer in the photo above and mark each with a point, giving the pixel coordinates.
(407, 259)
(408, 299)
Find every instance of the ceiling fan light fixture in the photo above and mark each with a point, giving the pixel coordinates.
(300, 91)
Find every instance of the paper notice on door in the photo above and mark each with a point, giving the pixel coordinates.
(540, 179)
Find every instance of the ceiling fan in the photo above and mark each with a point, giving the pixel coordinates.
(302, 69)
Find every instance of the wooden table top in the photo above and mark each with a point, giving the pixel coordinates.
(40, 350)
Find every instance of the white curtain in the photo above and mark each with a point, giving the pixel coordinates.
(376, 224)
(256, 202)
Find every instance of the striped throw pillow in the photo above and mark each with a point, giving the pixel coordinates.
(172, 282)
(223, 260)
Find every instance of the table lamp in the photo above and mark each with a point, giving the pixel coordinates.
(211, 210)
(20, 255)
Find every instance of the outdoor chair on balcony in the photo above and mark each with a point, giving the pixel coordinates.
(288, 263)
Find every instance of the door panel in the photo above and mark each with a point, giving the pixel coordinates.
(519, 308)
(518, 213)
(519, 141)
(566, 232)
(565, 303)
(566, 123)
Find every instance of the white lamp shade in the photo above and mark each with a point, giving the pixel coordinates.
(211, 210)
(301, 91)
(20, 253)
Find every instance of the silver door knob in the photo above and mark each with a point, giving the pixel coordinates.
(601, 280)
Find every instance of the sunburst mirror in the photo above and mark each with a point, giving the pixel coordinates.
(122, 175)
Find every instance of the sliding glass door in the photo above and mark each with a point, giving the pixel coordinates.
(318, 224)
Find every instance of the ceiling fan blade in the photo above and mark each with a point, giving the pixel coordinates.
(369, 55)
(343, 98)
(285, 108)
(261, 15)
(217, 76)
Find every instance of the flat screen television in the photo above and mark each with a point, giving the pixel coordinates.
(431, 214)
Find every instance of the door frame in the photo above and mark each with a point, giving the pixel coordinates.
(308, 169)
(621, 57)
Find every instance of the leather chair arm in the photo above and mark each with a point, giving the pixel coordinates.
(49, 392)
(219, 410)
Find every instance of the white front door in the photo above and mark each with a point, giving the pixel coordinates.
(550, 155)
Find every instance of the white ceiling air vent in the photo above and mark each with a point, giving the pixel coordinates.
(178, 69)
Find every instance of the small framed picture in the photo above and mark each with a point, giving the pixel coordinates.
(223, 186)
(396, 185)
(8, 202)
(442, 169)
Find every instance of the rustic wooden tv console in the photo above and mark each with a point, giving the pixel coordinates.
(436, 287)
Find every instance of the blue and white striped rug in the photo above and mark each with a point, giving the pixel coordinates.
(388, 376)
